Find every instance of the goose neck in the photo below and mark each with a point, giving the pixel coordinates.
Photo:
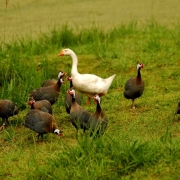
(74, 62)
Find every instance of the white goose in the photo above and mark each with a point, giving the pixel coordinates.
(88, 84)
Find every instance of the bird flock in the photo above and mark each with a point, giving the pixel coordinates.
(40, 117)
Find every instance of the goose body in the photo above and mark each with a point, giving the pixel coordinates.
(134, 87)
(88, 84)
(49, 93)
(98, 121)
(78, 115)
(41, 122)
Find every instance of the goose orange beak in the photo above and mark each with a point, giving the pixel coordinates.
(61, 53)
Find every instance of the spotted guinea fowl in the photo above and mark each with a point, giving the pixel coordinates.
(49, 82)
(49, 93)
(134, 87)
(41, 122)
(78, 115)
(7, 109)
(98, 121)
(68, 98)
(88, 84)
(42, 105)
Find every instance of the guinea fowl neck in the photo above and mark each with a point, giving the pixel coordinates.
(71, 84)
(74, 63)
(32, 106)
(73, 99)
(59, 82)
(98, 107)
(139, 73)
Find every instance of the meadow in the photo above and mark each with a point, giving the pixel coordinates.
(138, 144)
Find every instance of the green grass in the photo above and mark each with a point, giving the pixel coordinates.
(138, 144)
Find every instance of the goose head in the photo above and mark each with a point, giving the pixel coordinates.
(65, 52)
(139, 65)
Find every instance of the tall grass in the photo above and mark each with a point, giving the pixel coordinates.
(139, 144)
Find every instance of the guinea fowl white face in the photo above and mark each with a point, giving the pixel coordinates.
(61, 74)
(58, 132)
(65, 52)
(139, 65)
(72, 92)
(97, 98)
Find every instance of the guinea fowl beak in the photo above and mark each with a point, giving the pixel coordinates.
(61, 53)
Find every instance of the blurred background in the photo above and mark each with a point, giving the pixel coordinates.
(19, 18)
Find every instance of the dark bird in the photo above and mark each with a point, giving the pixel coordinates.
(78, 116)
(98, 121)
(68, 98)
(49, 93)
(134, 87)
(49, 82)
(42, 105)
(41, 122)
(7, 109)
(178, 108)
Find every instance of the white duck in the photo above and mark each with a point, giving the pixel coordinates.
(88, 84)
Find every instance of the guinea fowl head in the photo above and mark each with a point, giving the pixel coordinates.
(60, 77)
(97, 99)
(58, 132)
(69, 78)
(72, 92)
(65, 52)
(61, 74)
(139, 65)
(31, 102)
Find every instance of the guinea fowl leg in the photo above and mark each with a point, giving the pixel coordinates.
(38, 137)
(3, 126)
(132, 106)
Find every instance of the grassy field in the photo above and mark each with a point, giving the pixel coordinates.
(31, 18)
(138, 144)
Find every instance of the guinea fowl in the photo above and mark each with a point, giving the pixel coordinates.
(88, 84)
(7, 109)
(98, 120)
(78, 116)
(49, 82)
(41, 122)
(42, 105)
(68, 98)
(178, 108)
(49, 93)
(134, 87)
